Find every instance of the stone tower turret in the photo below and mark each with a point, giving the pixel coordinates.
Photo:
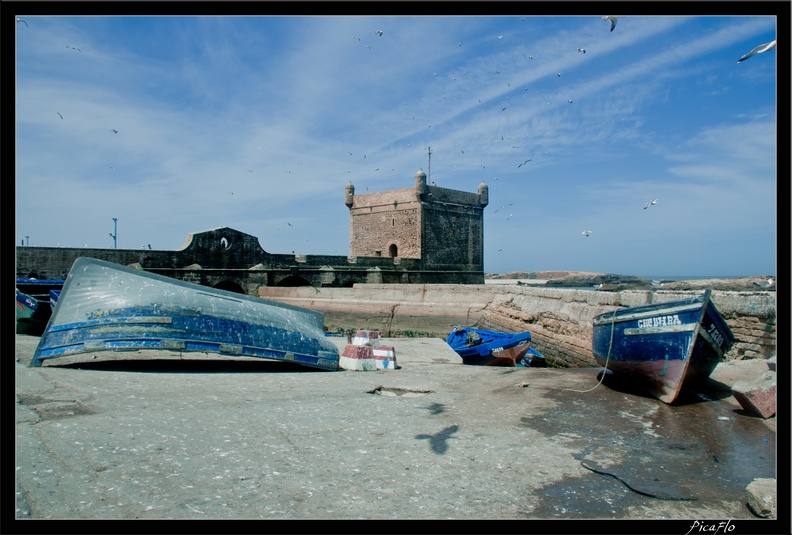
(483, 191)
(420, 184)
(350, 194)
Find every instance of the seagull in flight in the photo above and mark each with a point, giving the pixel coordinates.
(586, 233)
(765, 284)
(379, 32)
(650, 203)
(114, 130)
(525, 162)
(502, 207)
(758, 50)
(613, 19)
(59, 115)
(582, 50)
(21, 20)
(73, 48)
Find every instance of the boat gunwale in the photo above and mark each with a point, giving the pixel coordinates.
(608, 317)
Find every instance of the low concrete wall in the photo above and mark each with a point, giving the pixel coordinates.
(560, 320)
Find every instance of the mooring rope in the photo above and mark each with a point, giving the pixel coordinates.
(642, 493)
(607, 358)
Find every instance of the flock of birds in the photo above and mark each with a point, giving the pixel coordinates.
(612, 19)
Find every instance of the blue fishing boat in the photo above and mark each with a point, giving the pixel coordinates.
(481, 347)
(33, 306)
(108, 307)
(665, 347)
(31, 314)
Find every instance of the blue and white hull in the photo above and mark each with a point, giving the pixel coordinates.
(109, 307)
(664, 346)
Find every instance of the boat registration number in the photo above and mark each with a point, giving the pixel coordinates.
(715, 335)
(497, 349)
(659, 321)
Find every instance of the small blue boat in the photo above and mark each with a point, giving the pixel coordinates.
(31, 314)
(33, 304)
(665, 347)
(108, 307)
(481, 347)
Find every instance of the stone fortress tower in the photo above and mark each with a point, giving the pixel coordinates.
(443, 228)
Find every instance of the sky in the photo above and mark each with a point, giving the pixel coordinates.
(178, 124)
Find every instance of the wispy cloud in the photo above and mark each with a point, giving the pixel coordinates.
(250, 121)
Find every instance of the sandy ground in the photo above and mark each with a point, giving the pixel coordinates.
(433, 440)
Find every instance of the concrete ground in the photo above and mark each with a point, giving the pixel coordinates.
(219, 438)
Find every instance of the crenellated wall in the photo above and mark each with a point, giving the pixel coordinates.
(560, 320)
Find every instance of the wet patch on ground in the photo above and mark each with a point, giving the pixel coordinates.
(705, 449)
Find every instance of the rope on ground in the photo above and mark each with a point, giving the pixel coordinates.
(642, 493)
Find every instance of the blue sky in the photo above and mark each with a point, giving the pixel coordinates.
(258, 122)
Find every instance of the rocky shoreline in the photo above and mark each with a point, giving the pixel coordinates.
(615, 282)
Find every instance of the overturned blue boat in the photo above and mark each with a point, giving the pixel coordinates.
(108, 307)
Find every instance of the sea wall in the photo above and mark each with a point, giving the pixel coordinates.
(560, 320)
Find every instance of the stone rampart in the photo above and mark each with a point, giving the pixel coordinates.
(560, 320)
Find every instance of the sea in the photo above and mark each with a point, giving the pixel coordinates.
(675, 278)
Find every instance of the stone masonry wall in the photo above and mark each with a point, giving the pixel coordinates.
(559, 320)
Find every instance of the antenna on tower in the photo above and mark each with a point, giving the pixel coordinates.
(429, 167)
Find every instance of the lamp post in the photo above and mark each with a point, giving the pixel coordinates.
(114, 235)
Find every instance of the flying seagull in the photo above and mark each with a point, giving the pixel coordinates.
(586, 233)
(21, 20)
(114, 130)
(525, 162)
(59, 115)
(73, 48)
(613, 19)
(582, 50)
(758, 50)
(650, 203)
(379, 32)
(765, 284)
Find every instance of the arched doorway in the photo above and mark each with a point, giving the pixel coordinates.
(293, 280)
(229, 286)
(393, 251)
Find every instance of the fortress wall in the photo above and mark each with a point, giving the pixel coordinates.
(559, 320)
